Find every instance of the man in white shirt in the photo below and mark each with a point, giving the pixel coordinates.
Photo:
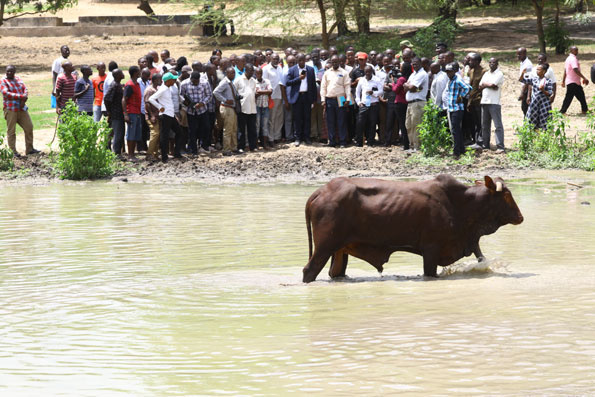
(439, 83)
(57, 67)
(491, 109)
(162, 100)
(416, 92)
(335, 94)
(527, 66)
(367, 92)
(246, 87)
(273, 72)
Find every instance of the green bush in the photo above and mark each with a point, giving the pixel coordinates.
(368, 42)
(434, 136)
(6, 155)
(441, 30)
(556, 36)
(84, 152)
(551, 148)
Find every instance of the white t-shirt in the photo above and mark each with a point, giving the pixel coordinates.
(527, 66)
(274, 75)
(490, 96)
(163, 99)
(438, 87)
(420, 80)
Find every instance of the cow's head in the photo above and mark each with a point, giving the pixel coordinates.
(501, 203)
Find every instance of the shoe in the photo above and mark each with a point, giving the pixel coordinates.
(308, 142)
(218, 146)
(500, 151)
(203, 151)
(16, 155)
(178, 156)
(342, 146)
(476, 146)
(33, 151)
(296, 143)
(227, 153)
(240, 151)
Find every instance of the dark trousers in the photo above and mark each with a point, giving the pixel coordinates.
(524, 104)
(475, 126)
(169, 124)
(302, 113)
(211, 119)
(402, 117)
(118, 127)
(146, 133)
(335, 121)
(367, 118)
(574, 90)
(197, 126)
(351, 119)
(456, 123)
(246, 125)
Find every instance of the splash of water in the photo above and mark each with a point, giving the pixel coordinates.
(472, 266)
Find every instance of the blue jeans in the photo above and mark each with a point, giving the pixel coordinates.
(118, 142)
(335, 119)
(135, 127)
(97, 113)
(456, 129)
(262, 123)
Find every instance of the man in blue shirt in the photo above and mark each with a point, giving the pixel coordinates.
(456, 90)
(84, 94)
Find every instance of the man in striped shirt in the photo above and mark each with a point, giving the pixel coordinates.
(197, 95)
(65, 86)
(15, 95)
(456, 90)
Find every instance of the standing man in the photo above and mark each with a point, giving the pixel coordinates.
(65, 86)
(439, 83)
(572, 80)
(152, 117)
(367, 92)
(301, 81)
(456, 90)
(491, 109)
(416, 90)
(57, 66)
(115, 114)
(476, 72)
(527, 66)
(109, 80)
(15, 95)
(98, 82)
(263, 93)
(84, 92)
(144, 81)
(246, 89)
(131, 104)
(335, 91)
(197, 95)
(288, 125)
(162, 100)
(273, 72)
(227, 95)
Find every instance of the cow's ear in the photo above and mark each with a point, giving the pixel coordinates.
(490, 183)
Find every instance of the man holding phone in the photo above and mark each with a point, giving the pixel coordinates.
(301, 81)
(367, 92)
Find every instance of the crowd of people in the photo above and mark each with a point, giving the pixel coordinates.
(173, 107)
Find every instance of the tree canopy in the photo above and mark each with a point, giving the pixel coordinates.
(10, 9)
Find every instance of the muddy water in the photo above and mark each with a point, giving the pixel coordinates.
(144, 290)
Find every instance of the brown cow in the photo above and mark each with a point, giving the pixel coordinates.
(440, 219)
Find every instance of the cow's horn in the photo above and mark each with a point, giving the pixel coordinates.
(498, 186)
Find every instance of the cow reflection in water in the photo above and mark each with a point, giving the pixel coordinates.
(441, 219)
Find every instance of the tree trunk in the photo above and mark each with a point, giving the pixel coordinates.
(325, 34)
(341, 19)
(557, 16)
(538, 6)
(146, 7)
(2, 4)
(362, 15)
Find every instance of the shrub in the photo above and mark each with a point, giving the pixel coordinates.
(434, 136)
(84, 152)
(551, 148)
(6, 155)
(557, 36)
(441, 30)
(371, 41)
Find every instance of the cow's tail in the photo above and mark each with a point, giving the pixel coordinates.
(309, 225)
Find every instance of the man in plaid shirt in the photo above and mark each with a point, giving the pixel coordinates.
(456, 90)
(197, 96)
(15, 96)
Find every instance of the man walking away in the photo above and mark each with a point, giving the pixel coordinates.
(15, 95)
(491, 109)
(572, 81)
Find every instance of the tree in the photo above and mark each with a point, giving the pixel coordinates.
(538, 6)
(18, 8)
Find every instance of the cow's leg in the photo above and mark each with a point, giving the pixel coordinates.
(338, 264)
(478, 253)
(430, 263)
(315, 265)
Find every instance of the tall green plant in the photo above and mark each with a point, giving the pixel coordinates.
(441, 30)
(434, 135)
(557, 36)
(83, 143)
(6, 155)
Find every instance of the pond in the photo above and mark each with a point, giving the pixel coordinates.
(151, 290)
